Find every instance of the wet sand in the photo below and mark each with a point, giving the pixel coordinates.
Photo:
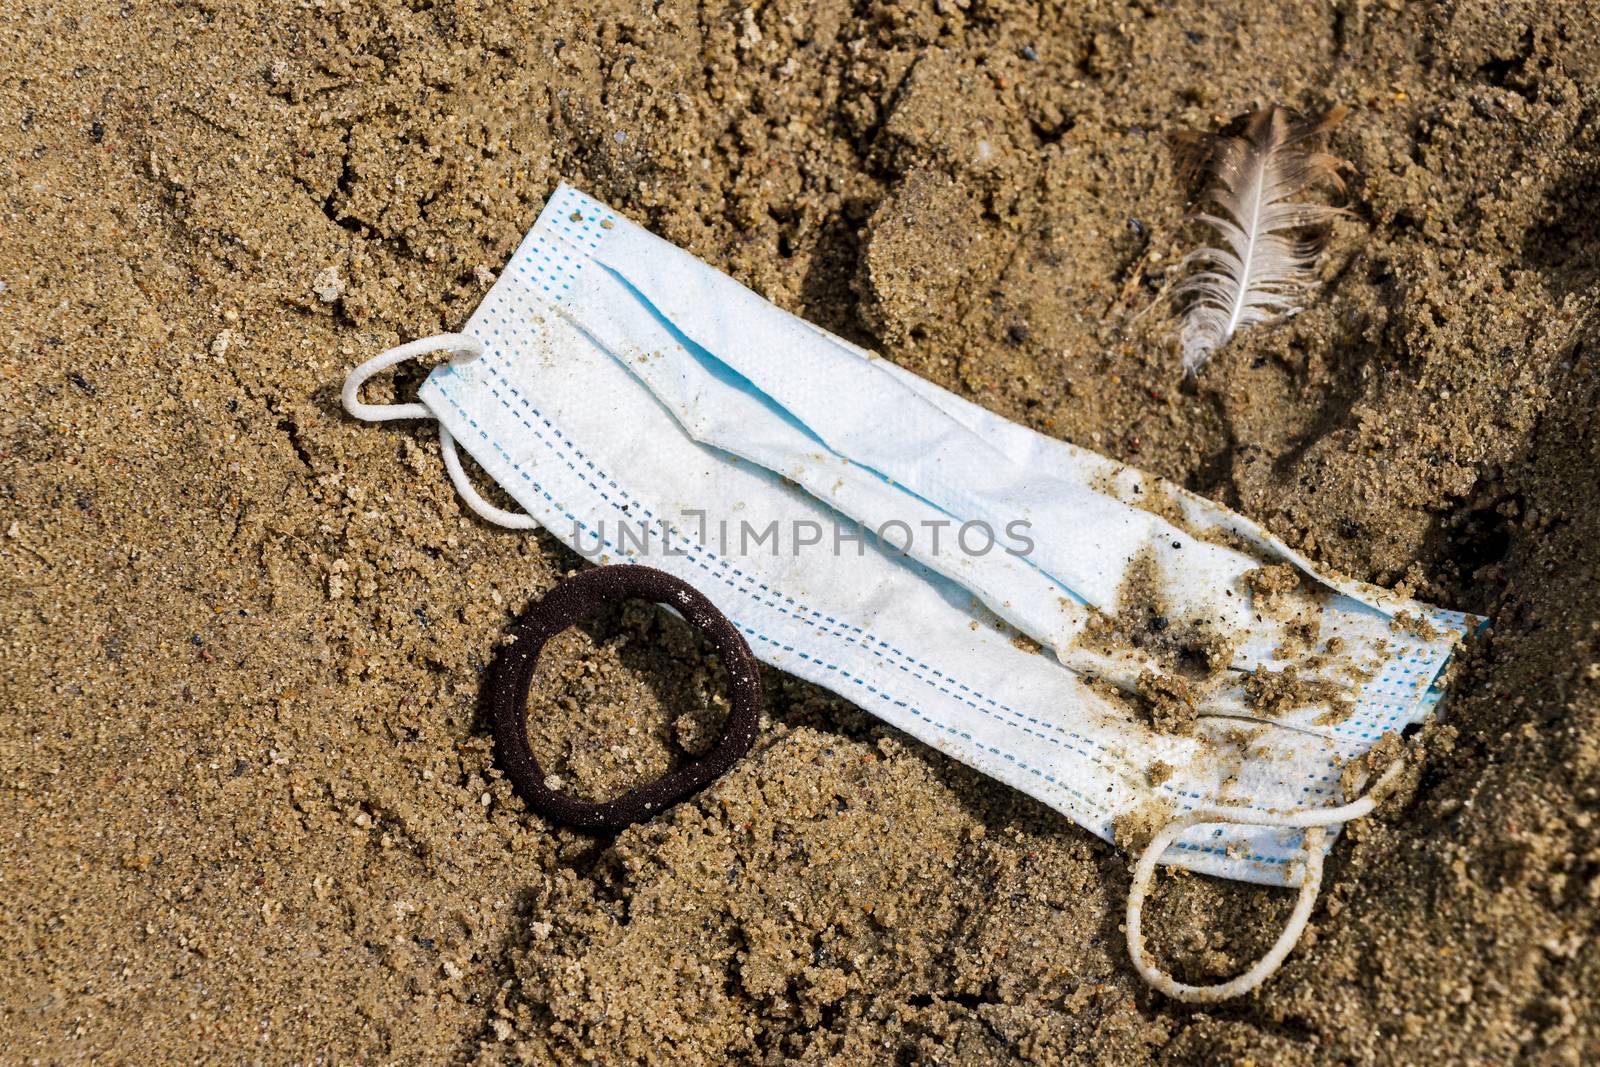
(252, 810)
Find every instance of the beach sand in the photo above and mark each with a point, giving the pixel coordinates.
(250, 808)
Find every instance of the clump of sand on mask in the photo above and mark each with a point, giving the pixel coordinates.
(1184, 658)
(1273, 693)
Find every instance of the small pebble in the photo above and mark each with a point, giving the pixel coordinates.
(328, 285)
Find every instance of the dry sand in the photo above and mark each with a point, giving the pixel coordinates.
(250, 809)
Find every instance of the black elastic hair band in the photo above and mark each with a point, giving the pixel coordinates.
(570, 602)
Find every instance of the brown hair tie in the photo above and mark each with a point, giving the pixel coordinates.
(570, 602)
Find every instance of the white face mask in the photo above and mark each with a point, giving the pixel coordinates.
(642, 406)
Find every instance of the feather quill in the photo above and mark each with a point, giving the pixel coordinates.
(1257, 168)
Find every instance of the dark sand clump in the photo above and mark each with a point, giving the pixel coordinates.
(248, 792)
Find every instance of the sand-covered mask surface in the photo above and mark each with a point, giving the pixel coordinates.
(251, 806)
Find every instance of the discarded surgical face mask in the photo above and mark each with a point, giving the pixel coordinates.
(1130, 654)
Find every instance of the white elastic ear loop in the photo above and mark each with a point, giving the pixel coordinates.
(468, 493)
(462, 347)
(1313, 821)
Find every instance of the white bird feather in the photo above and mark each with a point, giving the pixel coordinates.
(1264, 263)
